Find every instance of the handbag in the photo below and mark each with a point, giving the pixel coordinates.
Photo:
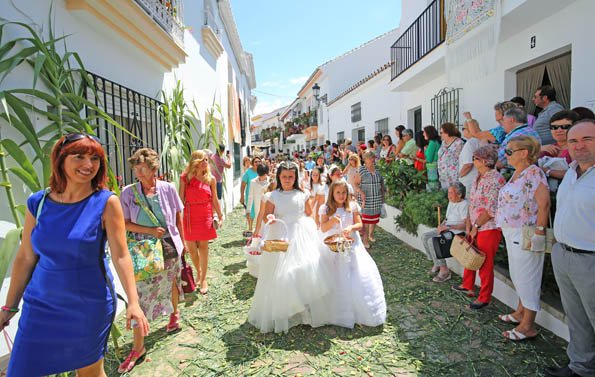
(469, 256)
(529, 232)
(383, 211)
(188, 284)
(442, 244)
(147, 254)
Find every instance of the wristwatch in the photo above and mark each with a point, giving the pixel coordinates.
(476, 225)
(547, 173)
(541, 228)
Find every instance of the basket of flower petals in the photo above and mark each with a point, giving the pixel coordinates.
(338, 242)
(276, 245)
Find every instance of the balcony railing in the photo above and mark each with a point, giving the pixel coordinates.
(167, 14)
(425, 34)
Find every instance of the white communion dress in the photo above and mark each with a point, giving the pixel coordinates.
(358, 294)
(292, 286)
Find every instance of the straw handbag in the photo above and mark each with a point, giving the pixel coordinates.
(466, 254)
(276, 245)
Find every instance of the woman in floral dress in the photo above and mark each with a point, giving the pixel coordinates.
(159, 294)
(448, 154)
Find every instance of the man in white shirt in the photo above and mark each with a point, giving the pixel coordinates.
(573, 256)
(467, 171)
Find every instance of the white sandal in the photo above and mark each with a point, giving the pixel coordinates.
(508, 318)
(516, 336)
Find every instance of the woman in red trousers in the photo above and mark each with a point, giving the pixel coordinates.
(481, 226)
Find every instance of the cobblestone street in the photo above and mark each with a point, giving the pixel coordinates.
(428, 331)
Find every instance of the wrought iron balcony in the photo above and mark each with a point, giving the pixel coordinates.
(167, 14)
(425, 34)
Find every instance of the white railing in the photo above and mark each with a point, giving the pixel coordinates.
(168, 14)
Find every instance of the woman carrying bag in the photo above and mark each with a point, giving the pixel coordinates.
(152, 208)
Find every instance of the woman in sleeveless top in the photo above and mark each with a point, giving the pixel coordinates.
(66, 327)
(197, 186)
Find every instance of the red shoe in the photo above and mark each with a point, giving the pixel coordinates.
(173, 324)
(128, 364)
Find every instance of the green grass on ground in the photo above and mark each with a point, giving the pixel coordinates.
(428, 331)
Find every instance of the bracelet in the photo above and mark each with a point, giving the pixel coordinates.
(7, 309)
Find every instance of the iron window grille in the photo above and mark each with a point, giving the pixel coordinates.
(381, 126)
(340, 137)
(356, 112)
(138, 114)
(445, 107)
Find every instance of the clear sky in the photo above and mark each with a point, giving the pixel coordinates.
(290, 38)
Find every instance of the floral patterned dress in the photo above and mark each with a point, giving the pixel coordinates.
(448, 162)
(484, 197)
(516, 202)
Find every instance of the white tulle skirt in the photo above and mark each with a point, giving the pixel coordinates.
(293, 286)
(358, 294)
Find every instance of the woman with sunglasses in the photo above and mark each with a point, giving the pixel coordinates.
(197, 191)
(560, 123)
(160, 216)
(388, 151)
(480, 226)
(61, 270)
(524, 200)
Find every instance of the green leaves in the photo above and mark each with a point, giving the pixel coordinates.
(25, 172)
(419, 209)
(9, 247)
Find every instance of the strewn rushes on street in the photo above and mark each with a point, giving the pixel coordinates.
(428, 331)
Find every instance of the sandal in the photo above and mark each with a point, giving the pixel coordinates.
(508, 318)
(465, 291)
(372, 239)
(517, 336)
(479, 306)
(128, 364)
(441, 278)
(173, 324)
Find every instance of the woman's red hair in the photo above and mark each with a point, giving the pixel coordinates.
(85, 145)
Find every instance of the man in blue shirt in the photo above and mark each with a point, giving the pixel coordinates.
(515, 124)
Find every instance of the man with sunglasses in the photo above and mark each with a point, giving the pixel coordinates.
(515, 124)
(545, 97)
(573, 255)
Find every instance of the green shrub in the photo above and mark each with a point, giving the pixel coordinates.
(419, 209)
(401, 178)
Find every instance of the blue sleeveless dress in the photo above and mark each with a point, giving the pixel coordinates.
(70, 303)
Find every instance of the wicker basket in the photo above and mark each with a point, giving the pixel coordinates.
(466, 254)
(276, 245)
(338, 242)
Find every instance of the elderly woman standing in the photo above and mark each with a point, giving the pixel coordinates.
(448, 154)
(456, 214)
(480, 224)
(524, 200)
(197, 190)
(61, 271)
(159, 294)
(369, 184)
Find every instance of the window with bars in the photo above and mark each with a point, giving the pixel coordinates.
(340, 137)
(356, 112)
(138, 114)
(381, 126)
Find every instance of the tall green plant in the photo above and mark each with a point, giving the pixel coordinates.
(183, 134)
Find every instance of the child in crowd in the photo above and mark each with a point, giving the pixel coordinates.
(358, 294)
(292, 286)
(316, 184)
(257, 188)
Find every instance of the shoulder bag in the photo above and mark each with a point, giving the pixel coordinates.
(147, 254)
(529, 232)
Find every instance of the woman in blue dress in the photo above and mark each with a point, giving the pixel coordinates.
(61, 271)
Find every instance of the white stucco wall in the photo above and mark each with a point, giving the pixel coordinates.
(377, 102)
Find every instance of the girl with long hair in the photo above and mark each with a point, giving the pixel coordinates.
(198, 190)
(292, 286)
(358, 294)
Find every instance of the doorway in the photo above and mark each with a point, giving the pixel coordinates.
(417, 120)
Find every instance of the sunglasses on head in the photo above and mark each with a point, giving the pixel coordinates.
(554, 127)
(509, 152)
(71, 138)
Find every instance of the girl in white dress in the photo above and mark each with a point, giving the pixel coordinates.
(292, 286)
(334, 174)
(316, 184)
(358, 294)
